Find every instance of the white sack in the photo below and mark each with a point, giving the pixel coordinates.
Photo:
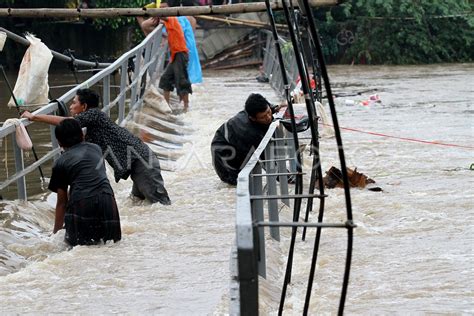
(3, 38)
(32, 84)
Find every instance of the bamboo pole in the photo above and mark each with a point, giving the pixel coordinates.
(38, 13)
(251, 23)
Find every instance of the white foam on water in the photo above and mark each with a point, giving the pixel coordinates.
(412, 247)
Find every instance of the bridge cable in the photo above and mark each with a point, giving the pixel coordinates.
(315, 36)
(309, 101)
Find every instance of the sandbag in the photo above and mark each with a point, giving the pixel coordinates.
(31, 87)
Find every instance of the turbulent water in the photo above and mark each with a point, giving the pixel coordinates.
(413, 247)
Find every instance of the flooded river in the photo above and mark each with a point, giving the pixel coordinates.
(413, 247)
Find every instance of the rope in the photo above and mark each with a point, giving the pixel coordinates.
(402, 138)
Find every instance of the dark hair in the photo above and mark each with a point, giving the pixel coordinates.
(68, 132)
(88, 96)
(256, 103)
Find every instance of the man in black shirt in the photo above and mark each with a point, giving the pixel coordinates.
(89, 211)
(125, 152)
(236, 140)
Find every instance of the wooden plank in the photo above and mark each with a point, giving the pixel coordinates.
(172, 11)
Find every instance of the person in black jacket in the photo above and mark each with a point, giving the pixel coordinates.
(235, 141)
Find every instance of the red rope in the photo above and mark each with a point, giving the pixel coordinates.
(402, 138)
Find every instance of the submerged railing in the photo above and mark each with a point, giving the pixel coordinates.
(250, 254)
(134, 67)
(272, 69)
(281, 153)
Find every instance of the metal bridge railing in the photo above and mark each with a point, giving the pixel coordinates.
(146, 59)
(248, 261)
(245, 292)
(271, 65)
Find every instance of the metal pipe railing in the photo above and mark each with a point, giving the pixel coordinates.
(251, 210)
(148, 60)
(58, 56)
(247, 252)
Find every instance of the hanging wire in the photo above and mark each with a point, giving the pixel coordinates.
(350, 226)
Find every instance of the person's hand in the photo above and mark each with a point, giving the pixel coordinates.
(27, 115)
(283, 104)
(149, 24)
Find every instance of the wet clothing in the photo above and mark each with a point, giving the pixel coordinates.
(194, 65)
(176, 74)
(233, 145)
(92, 220)
(144, 175)
(91, 212)
(82, 168)
(118, 144)
(123, 151)
(176, 40)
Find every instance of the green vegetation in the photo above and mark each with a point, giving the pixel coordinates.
(116, 23)
(358, 31)
(98, 23)
(398, 31)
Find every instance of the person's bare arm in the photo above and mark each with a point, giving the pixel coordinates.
(148, 25)
(60, 210)
(43, 118)
(193, 22)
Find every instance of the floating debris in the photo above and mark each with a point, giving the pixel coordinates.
(333, 179)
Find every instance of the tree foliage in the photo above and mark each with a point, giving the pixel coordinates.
(99, 23)
(399, 31)
(359, 31)
(117, 22)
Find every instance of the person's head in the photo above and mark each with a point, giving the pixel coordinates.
(85, 99)
(69, 133)
(258, 109)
